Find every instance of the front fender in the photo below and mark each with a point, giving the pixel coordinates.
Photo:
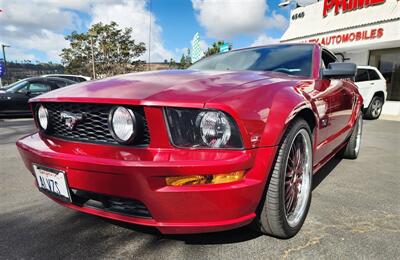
(286, 105)
(263, 111)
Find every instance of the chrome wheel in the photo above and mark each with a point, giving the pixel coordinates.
(376, 107)
(298, 178)
(359, 133)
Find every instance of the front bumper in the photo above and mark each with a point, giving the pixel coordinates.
(139, 174)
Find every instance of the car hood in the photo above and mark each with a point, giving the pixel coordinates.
(161, 87)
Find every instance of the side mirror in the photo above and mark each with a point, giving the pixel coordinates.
(24, 91)
(340, 70)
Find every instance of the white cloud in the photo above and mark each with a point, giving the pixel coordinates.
(40, 24)
(224, 19)
(264, 40)
(48, 42)
(18, 54)
(80, 5)
(31, 17)
(276, 21)
(203, 45)
(33, 28)
(11, 28)
(44, 41)
(135, 14)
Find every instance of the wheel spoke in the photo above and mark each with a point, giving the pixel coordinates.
(295, 192)
(298, 181)
(289, 204)
(289, 192)
(297, 177)
(290, 173)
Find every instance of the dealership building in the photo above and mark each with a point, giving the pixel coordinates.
(366, 32)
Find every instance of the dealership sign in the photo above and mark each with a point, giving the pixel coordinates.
(347, 5)
(224, 47)
(356, 36)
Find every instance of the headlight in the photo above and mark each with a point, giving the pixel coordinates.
(199, 128)
(43, 117)
(215, 130)
(122, 124)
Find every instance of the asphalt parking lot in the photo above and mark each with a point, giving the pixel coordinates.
(355, 213)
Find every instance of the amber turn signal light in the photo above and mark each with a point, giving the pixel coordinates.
(204, 179)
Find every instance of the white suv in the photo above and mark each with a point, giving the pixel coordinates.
(372, 86)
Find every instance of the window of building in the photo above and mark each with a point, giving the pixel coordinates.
(388, 63)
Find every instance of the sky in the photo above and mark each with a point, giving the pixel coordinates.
(35, 29)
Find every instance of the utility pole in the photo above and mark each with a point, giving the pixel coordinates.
(148, 64)
(3, 46)
(91, 47)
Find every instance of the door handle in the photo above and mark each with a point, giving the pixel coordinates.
(372, 83)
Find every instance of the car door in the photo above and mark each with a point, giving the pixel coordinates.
(341, 103)
(35, 88)
(18, 98)
(337, 97)
(324, 89)
(363, 83)
(376, 83)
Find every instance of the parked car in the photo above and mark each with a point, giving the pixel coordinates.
(372, 87)
(14, 98)
(233, 140)
(76, 78)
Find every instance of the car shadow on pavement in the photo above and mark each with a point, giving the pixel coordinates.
(320, 175)
(225, 237)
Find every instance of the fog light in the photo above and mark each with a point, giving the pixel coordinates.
(204, 179)
(186, 180)
(228, 177)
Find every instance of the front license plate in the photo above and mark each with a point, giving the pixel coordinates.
(52, 181)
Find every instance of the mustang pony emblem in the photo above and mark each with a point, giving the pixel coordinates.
(71, 120)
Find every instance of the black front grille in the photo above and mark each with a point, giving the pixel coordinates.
(94, 126)
(117, 205)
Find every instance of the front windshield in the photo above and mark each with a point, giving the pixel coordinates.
(290, 59)
(15, 86)
(10, 85)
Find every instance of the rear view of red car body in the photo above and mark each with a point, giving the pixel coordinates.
(217, 178)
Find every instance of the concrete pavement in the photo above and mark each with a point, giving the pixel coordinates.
(355, 214)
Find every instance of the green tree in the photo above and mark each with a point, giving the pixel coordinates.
(172, 64)
(114, 51)
(185, 61)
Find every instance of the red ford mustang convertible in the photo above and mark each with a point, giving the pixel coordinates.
(233, 140)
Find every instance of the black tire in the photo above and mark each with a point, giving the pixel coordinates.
(272, 219)
(352, 148)
(374, 109)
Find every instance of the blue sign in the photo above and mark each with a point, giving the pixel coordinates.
(224, 48)
(2, 69)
